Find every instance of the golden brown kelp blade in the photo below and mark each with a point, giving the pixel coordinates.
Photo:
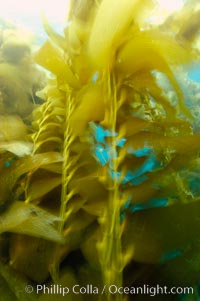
(53, 35)
(39, 186)
(12, 128)
(53, 59)
(154, 41)
(149, 50)
(18, 148)
(181, 145)
(82, 9)
(10, 175)
(16, 284)
(110, 24)
(30, 220)
(31, 256)
(190, 30)
(185, 27)
(91, 108)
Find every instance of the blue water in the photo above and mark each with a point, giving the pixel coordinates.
(195, 73)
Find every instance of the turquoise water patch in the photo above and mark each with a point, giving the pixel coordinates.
(195, 75)
(153, 203)
(171, 255)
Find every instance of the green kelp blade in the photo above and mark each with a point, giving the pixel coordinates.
(97, 190)
(68, 279)
(152, 42)
(41, 186)
(161, 230)
(30, 220)
(31, 256)
(35, 162)
(5, 291)
(51, 58)
(188, 144)
(134, 125)
(144, 81)
(12, 128)
(95, 208)
(10, 175)
(16, 283)
(90, 108)
(184, 269)
(55, 168)
(108, 28)
(147, 56)
(18, 148)
(78, 223)
(53, 35)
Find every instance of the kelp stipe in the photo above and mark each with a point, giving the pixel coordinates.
(109, 248)
(111, 173)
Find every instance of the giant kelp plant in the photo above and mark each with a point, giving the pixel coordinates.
(102, 187)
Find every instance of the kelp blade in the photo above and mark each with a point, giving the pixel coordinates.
(111, 22)
(30, 220)
(51, 58)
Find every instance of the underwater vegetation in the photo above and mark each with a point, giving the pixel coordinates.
(100, 179)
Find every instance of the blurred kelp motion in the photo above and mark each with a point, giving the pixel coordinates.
(101, 184)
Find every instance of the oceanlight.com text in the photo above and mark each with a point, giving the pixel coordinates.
(150, 290)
